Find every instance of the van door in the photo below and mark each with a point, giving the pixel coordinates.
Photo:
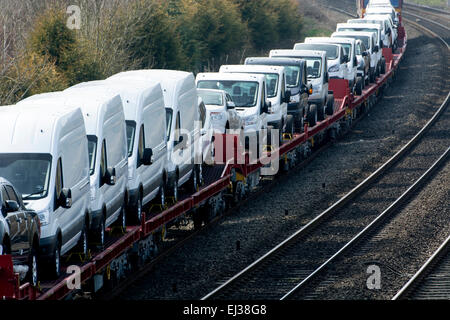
(67, 224)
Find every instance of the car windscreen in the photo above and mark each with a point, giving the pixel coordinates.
(331, 50)
(92, 151)
(244, 93)
(211, 97)
(131, 133)
(28, 173)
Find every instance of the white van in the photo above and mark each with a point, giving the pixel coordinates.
(44, 154)
(349, 46)
(336, 57)
(277, 116)
(145, 121)
(248, 92)
(108, 155)
(184, 154)
(363, 27)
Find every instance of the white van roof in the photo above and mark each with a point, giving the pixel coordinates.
(354, 33)
(358, 25)
(297, 53)
(329, 40)
(258, 69)
(34, 125)
(135, 94)
(231, 76)
(95, 103)
(173, 82)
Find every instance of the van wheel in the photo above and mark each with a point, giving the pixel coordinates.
(194, 180)
(33, 277)
(290, 125)
(383, 67)
(175, 191)
(139, 209)
(123, 218)
(300, 123)
(359, 86)
(162, 195)
(312, 115)
(321, 113)
(56, 260)
(83, 242)
(100, 234)
(330, 105)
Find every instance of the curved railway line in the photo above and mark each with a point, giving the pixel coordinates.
(300, 263)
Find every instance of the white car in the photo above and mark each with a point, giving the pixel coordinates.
(108, 154)
(220, 110)
(45, 155)
(184, 162)
(277, 116)
(248, 92)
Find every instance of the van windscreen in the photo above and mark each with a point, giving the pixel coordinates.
(331, 49)
(28, 173)
(244, 93)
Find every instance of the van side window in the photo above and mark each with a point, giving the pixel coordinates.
(263, 97)
(177, 129)
(103, 164)
(141, 146)
(12, 195)
(59, 183)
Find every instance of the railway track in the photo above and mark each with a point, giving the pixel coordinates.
(301, 259)
(432, 281)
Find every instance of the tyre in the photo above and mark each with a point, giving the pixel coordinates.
(330, 104)
(359, 86)
(33, 271)
(299, 123)
(194, 180)
(100, 234)
(139, 209)
(122, 221)
(321, 112)
(162, 195)
(269, 136)
(383, 67)
(290, 125)
(55, 261)
(312, 115)
(174, 192)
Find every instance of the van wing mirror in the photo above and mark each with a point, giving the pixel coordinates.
(346, 59)
(65, 199)
(267, 107)
(148, 157)
(376, 49)
(110, 176)
(11, 206)
(288, 96)
(231, 105)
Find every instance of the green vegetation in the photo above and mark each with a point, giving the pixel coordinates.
(117, 35)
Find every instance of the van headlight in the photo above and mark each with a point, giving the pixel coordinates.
(44, 217)
(334, 68)
(251, 120)
(216, 116)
